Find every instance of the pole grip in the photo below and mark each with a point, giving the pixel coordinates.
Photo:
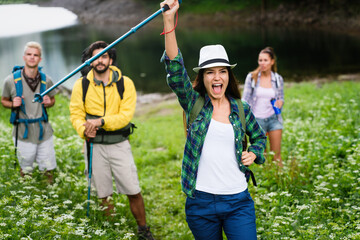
(165, 8)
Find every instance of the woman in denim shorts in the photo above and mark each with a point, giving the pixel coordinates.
(261, 86)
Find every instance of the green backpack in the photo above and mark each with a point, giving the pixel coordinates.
(195, 112)
(199, 103)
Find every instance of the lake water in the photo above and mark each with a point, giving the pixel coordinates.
(301, 52)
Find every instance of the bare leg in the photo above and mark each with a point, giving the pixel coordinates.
(137, 208)
(106, 202)
(50, 176)
(275, 144)
(23, 174)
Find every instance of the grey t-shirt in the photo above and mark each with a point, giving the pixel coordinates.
(33, 110)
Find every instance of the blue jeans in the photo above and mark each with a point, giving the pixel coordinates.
(208, 215)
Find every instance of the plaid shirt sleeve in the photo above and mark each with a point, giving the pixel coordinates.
(179, 81)
(247, 89)
(256, 135)
(281, 89)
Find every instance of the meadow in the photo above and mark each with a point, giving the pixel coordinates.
(316, 195)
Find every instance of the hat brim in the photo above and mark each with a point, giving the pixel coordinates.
(197, 69)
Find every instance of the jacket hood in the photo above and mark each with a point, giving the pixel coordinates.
(115, 74)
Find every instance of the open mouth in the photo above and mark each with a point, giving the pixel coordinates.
(217, 87)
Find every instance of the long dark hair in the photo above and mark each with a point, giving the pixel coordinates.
(270, 51)
(231, 90)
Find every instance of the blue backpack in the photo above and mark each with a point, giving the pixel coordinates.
(14, 118)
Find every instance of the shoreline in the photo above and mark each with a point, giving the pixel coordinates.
(147, 101)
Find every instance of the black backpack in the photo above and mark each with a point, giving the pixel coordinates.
(128, 129)
(119, 85)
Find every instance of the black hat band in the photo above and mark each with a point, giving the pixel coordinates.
(215, 60)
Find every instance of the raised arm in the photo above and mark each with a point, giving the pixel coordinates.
(171, 46)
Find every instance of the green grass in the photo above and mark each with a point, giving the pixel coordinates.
(18, 1)
(315, 196)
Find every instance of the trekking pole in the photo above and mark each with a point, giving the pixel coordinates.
(39, 97)
(89, 178)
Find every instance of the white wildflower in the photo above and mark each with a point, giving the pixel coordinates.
(67, 202)
(100, 232)
(78, 207)
(129, 235)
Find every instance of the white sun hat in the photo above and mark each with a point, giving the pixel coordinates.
(213, 56)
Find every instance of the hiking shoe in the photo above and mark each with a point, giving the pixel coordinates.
(145, 234)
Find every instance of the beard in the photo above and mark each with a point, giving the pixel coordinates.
(100, 71)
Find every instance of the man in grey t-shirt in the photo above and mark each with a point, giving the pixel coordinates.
(32, 133)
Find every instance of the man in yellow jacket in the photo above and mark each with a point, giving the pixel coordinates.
(102, 115)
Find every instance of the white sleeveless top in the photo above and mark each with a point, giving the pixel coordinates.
(262, 107)
(218, 171)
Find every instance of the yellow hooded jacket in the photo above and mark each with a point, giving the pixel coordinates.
(103, 101)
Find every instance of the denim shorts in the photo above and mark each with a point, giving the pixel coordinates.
(270, 124)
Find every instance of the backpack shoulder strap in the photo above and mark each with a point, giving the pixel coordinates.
(120, 87)
(199, 103)
(85, 85)
(18, 88)
(18, 85)
(18, 82)
(43, 81)
(241, 113)
(16, 68)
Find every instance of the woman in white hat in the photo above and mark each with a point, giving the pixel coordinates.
(215, 168)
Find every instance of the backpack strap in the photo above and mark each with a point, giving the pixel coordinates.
(198, 105)
(241, 113)
(119, 85)
(243, 122)
(18, 85)
(43, 81)
(14, 118)
(127, 130)
(85, 85)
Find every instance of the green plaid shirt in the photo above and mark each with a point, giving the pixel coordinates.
(178, 80)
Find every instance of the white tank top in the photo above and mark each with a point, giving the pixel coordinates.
(218, 171)
(262, 107)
